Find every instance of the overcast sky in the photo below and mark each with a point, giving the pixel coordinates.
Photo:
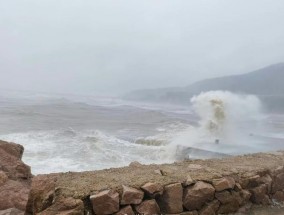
(112, 46)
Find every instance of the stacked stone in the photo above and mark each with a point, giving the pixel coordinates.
(228, 194)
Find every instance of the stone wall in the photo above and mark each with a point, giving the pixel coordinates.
(204, 187)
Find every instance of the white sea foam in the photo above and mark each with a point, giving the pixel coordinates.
(228, 118)
(68, 150)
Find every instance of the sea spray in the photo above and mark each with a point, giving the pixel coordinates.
(225, 121)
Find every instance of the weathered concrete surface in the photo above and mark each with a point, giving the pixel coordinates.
(251, 174)
(15, 179)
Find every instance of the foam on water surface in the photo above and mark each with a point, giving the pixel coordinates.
(61, 135)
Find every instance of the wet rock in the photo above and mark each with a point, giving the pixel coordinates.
(152, 189)
(196, 196)
(259, 195)
(171, 199)
(12, 211)
(223, 183)
(127, 210)
(131, 196)
(148, 207)
(210, 208)
(105, 202)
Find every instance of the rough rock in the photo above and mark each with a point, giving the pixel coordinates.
(152, 189)
(195, 167)
(265, 180)
(12, 211)
(148, 207)
(278, 183)
(3, 178)
(65, 206)
(278, 196)
(244, 209)
(105, 202)
(231, 207)
(245, 195)
(238, 187)
(42, 193)
(131, 196)
(158, 172)
(250, 172)
(189, 213)
(188, 181)
(230, 201)
(14, 194)
(195, 197)
(249, 182)
(224, 183)
(259, 195)
(171, 199)
(127, 210)
(10, 160)
(210, 208)
(15, 177)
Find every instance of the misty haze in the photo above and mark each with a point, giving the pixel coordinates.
(91, 85)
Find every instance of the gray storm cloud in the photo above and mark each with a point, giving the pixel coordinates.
(114, 46)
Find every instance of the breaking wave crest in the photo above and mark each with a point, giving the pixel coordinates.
(70, 150)
(226, 120)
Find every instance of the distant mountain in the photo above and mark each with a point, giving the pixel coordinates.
(267, 83)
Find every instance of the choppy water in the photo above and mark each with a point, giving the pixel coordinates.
(90, 133)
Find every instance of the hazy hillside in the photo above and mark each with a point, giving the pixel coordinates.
(267, 83)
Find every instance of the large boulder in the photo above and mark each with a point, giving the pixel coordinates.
(148, 207)
(152, 189)
(105, 202)
(131, 196)
(171, 199)
(224, 183)
(196, 196)
(15, 177)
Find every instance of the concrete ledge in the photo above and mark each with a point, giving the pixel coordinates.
(204, 187)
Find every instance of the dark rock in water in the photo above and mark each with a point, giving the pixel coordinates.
(186, 153)
(15, 179)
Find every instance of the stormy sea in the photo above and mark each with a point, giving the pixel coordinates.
(63, 133)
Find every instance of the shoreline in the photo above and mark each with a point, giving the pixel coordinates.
(233, 185)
